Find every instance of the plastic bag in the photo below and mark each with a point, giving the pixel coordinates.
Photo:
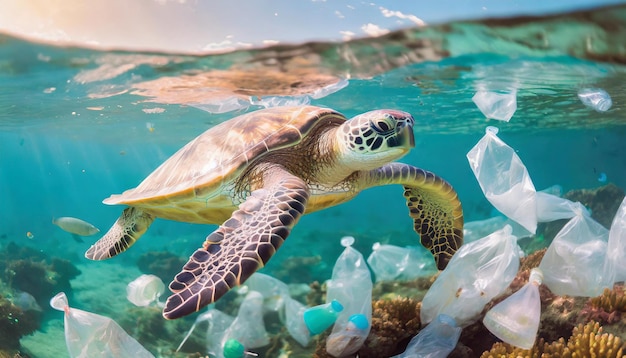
(478, 272)
(496, 105)
(274, 291)
(516, 319)
(504, 179)
(351, 284)
(574, 263)
(144, 290)
(294, 321)
(551, 207)
(218, 325)
(617, 243)
(390, 262)
(248, 327)
(89, 335)
(435, 340)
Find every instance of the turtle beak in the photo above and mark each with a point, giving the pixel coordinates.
(404, 138)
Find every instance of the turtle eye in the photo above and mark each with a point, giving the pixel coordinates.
(382, 126)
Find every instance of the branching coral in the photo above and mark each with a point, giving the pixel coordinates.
(586, 341)
(607, 307)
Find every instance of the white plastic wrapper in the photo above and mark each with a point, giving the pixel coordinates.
(495, 105)
(390, 262)
(478, 272)
(575, 262)
(595, 98)
(504, 179)
(145, 290)
(617, 243)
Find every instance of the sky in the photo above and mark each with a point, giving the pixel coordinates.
(197, 26)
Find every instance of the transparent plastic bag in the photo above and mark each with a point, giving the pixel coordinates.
(575, 262)
(617, 244)
(274, 291)
(89, 335)
(219, 322)
(390, 262)
(436, 340)
(351, 284)
(516, 319)
(144, 290)
(496, 105)
(295, 323)
(504, 179)
(551, 207)
(248, 327)
(478, 272)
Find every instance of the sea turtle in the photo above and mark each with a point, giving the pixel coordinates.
(256, 174)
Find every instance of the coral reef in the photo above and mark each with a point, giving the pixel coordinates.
(586, 341)
(163, 264)
(14, 323)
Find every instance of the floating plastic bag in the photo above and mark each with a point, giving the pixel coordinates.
(295, 322)
(516, 319)
(617, 243)
(248, 327)
(495, 105)
(144, 290)
(595, 98)
(435, 340)
(478, 272)
(218, 325)
(504, 179)
(551, 207)
(390, 262)
(89, 335)
(351, 284)
(273, 290)
(574, 263)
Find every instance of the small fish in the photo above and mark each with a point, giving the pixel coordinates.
(30, 235)
(602, 177)
(75, 226)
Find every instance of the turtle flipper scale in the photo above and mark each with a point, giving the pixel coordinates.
(126, 231)
(433, 205)
(239, 247)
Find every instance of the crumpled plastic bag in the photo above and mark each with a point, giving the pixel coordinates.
(478, 272)
(617, 243)
(575, 262)
(496, 105)
(248, 327)
(89, 335)
(294, 322)
(350, 284)
(504, 179)
(390, 262)
(436, 340)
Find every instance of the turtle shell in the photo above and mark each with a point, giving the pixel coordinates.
(207, 164)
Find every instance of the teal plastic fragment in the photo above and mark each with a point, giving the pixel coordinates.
(318, 318)
(233, 349)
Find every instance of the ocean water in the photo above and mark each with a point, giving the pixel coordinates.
(77, 125)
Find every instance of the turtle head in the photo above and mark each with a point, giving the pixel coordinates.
(375, 138)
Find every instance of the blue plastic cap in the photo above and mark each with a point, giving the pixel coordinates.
(338, 307)
(359, 321)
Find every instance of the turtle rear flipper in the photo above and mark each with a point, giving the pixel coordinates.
(240, 246)
(433, 205)
(127, 229)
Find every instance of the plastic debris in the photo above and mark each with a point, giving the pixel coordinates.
(75, 226)
(219, 322)
(504, 179)
(390, 262)
(617, 244)
(319, 318)
(234, 349)
(273, 290)
(595, 98)
(144, 290)
(602, 177)
(295, 322)
(574, 263)
(90, 335)
(495, 105)
(25, 301)
(435, 340)
(248, 327)
(516, 319)
(351, 284)
(478, 272)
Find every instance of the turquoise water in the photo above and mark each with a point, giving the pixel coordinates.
(78, 125)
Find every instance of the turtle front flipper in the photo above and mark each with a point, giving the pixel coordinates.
(127, 229)
(433, 205)
(240, 246)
